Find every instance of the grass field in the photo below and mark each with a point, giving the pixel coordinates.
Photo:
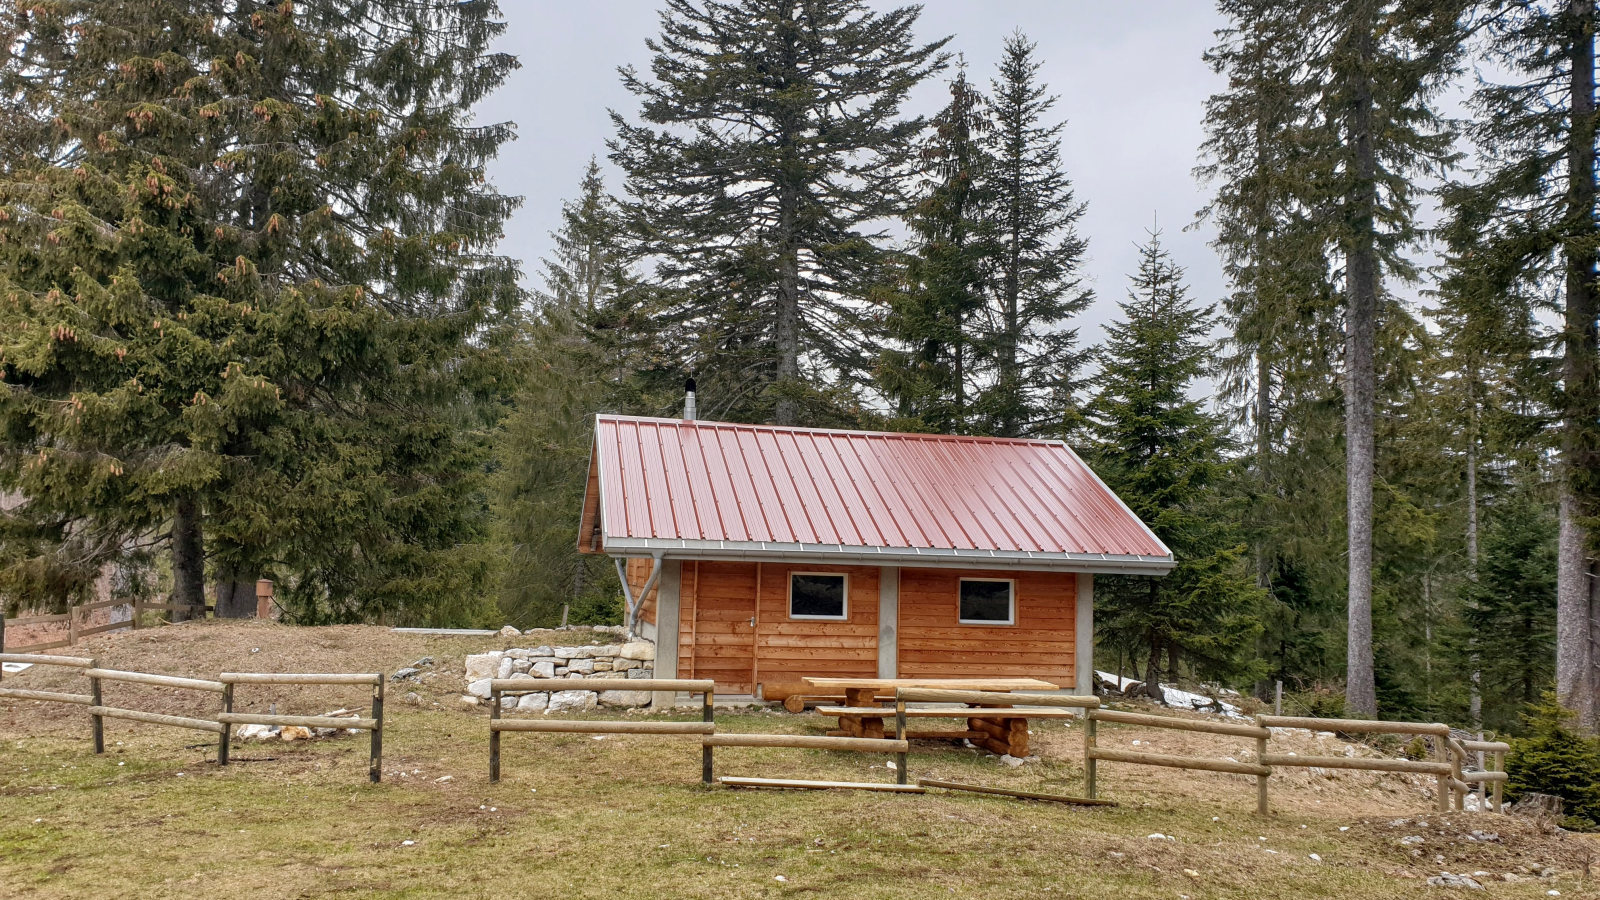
(626, 816)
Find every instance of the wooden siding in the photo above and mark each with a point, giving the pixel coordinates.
(934, 643)
(716, 640)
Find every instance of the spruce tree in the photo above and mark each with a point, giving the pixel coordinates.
(1036, 284)
(764, 165)
(250, 296)
(1360, 131)
(577, 356)
(933, 315)
(1160, 450)
(1531, 225)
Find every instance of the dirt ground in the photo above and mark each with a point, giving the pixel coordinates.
(625, 816)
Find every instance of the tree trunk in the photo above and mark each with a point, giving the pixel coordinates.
(1362, 285)
(1475, 686)
(188, 560)
(1152, 675)
(236, 598)
(1577, 678)
(786, 331)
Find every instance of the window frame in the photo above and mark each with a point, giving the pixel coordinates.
(1011, 605)
(844, 615)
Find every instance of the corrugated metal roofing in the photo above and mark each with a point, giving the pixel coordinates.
(719, 490)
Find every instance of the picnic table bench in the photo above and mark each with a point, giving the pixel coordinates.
(998, 728)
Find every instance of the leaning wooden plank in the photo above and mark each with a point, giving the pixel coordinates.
(995, 698)
(296, 678)
(598, 726)
(245, 718)
(523, 685)
(822, 785)
(1351, 725)
(20, 694)
(194, 684)
(111, 712)
(40, 659)
(34, 648)
(993, 684)
(1179, 762)
(40, 620)
(1177, 724)
(949, 712)
(1026, 795)
(807, 742)
(1424, 767)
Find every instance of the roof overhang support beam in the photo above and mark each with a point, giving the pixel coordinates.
(636, 604)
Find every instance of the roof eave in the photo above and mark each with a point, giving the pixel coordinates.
(840, 554)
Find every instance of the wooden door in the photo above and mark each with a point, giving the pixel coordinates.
(721, 642)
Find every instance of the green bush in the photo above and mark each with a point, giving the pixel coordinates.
(1555, 758)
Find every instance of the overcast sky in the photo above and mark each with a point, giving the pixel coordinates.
(1129, 76)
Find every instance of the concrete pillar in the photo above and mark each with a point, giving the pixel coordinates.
(1083, 660)
(668, 593)
(888, 621)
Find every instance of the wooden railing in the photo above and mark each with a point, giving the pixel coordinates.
(77, 617)
(501, 687)
(373, 724)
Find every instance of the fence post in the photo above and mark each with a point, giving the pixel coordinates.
(375, 774)
(1088, 753)
(706, 715)
(900, 735)
(1277, 699)
(1499, 766)
(264, 595)
(2, 632)
(1261, 780)
(97, 722)
(494, 734)
(1442, 753)
(72, 626)
(227, 729)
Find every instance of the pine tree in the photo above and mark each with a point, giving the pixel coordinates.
(1036, 286)
(766, 162)
(934, 313)
(1165, 455)
(1531, 225)
(1557, 758)
(250, 296)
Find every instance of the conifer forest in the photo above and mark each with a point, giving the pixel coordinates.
(258, 318)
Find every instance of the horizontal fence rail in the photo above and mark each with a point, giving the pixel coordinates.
(501, 687)
(373, 725)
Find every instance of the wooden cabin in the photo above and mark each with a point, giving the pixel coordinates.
(757, 555)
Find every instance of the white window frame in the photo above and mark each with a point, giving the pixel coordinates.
(1011, 610)
(845, 617)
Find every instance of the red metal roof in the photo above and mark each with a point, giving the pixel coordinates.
(719, 490)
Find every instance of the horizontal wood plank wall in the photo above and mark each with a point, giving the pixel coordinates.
(790, 649)
(934, 643)
(716, 640)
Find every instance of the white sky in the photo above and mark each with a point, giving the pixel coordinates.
(1129, 76)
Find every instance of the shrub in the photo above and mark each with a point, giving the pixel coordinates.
(1555, 758)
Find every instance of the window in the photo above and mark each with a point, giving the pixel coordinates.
(987, 601)
(816, 596)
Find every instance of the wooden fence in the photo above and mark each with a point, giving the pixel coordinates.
(706, 729)
(501, 687)
(373, 725)
(77, 622)
(1450, 755)
(226, 718)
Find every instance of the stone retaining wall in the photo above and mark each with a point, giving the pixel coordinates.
(564, 669)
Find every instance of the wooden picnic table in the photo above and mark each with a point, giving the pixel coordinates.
(996, 728)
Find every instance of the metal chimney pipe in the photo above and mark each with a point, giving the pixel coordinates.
(688, 401)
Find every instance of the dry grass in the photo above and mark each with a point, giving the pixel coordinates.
(626, 817)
